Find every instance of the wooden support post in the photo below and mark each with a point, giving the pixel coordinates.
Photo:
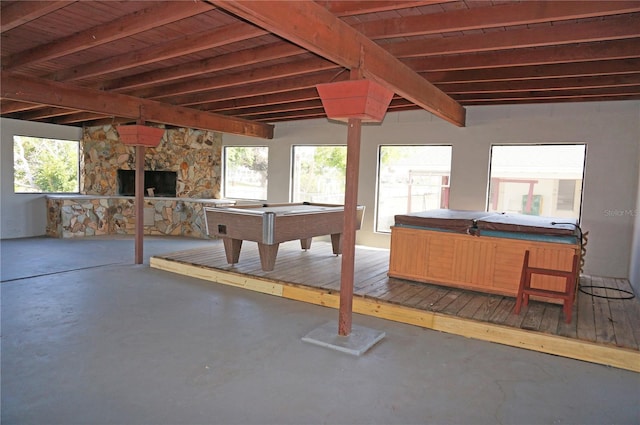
(139, 203)
(349, 231)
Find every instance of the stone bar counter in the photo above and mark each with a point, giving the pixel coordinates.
(71, 216)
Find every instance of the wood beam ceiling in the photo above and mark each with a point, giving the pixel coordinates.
(190, 43)
(19, 13)
(612, 29)
(223, 65)
(280, 50)
(357, 7)
(143, 20)
(314, 28)
(505, 15)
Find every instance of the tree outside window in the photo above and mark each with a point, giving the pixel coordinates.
(246, 172)
(45, 165)
(319, 174)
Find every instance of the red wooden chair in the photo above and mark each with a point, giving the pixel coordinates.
(568, 295)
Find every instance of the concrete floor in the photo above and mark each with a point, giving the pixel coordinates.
(90, 338)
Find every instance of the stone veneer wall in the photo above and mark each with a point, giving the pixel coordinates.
(194, 154)
(70, 217)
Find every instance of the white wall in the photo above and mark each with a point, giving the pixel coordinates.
(21, 214)
(610, 130)
(634, 273)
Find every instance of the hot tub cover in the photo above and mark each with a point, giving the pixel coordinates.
(459, 221)
(477, 222)
(522, 223)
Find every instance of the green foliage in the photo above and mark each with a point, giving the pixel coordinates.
(320, 173)
(254, 158)
(330, 159)
(392, 154)
(44, 165)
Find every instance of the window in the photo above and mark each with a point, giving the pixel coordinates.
(45, 165)
(246, 172)
(411, 179)
(537, 179)
(319, 174)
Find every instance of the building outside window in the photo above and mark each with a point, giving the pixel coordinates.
(411, 179)
(45, 165)
(319, 174)
(541, 180)
(246, 172)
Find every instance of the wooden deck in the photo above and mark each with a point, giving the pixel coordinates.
(605, 329)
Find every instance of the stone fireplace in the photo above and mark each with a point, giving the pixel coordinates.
(184, 172)
(193, 155)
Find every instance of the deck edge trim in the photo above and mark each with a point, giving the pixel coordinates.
(535, 341)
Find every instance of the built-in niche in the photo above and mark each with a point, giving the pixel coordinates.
(161, 183)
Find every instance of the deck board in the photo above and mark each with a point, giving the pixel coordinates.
(596, 320)
(604, 328)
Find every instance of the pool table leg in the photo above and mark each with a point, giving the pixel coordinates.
(232, 249)
(268, 255)
(306, 243)
(336, 243)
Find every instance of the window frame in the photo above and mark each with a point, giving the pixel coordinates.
(46, 139)
(376, 219)
(224, 169)
(292, 184)
(488, 197)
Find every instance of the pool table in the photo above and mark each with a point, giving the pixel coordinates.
(271, 224)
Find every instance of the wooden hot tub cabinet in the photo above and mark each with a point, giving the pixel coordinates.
(479, 258)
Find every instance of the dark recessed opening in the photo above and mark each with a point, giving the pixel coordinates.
(163, 183)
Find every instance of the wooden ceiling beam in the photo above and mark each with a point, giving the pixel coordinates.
(601, 50)
(545, 84)
(553, 95)
(304, 114)
(36, 90)
(236, 32)
(491, 60)
(564, 70)
(159, 13)
(10, 106)
(360, 7)
(213, 64)
(266, 73)
(549, 99)
(20, 12)
(311, 26)
(553, 84)
(442, 79)
(46, 112)
(490, 16)
(397, 104)
(183, 46)
(482, 60)
(82, 117)
(282, 108)
(539, 55)
(615, 28)
(194, 43)
(261, 100)
(278, 85)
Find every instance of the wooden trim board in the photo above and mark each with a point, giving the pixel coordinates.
(551, 344)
